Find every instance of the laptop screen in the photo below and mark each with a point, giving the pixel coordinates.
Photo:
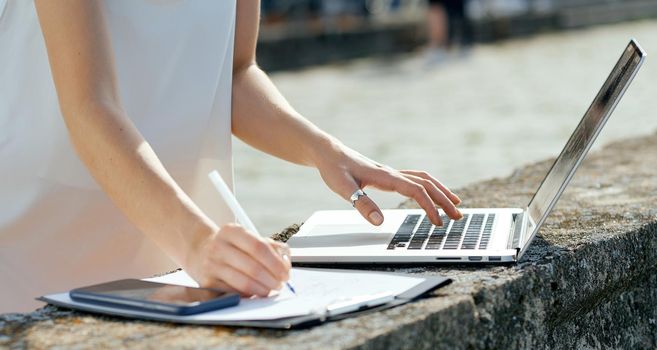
(582, 138)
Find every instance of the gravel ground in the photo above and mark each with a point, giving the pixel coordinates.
(475, 116)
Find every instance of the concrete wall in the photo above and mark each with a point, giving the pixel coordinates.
(589, 280)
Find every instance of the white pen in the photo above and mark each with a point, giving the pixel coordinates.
(237, 209)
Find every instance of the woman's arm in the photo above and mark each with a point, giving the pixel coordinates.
(127, 168)
(264, 119)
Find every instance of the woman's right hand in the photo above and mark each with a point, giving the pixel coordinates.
(234, 259)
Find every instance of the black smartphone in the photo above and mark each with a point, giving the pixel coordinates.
(155, 297)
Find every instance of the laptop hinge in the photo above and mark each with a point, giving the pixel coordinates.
(515, 232)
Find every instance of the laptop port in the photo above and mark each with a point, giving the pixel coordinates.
(494, 258)
(475, 258)
(448, 258)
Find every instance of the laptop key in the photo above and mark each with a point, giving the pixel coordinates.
(410, 222)
(488, 230)
(405, 231)
(422, 234)
(472, 234)
(438, 234)
(455, 233)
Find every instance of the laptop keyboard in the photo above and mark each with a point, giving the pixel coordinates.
(472, 232)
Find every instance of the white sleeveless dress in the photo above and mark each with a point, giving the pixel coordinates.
(58, 230)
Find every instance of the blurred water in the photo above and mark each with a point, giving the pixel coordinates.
(503, 106)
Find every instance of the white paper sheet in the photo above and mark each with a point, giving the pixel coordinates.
(316, 289)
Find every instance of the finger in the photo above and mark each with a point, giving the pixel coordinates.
(258, 249)
(243, 263)
(241, 282)
(365, 206)
(390, 181)
(452, 197)
(438, 197)
(369, 210)
(284, 250)
(213, 282)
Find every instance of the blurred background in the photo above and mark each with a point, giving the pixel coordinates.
(467, 90)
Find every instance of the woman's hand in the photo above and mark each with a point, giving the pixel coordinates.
(234, 259)
(345, 171)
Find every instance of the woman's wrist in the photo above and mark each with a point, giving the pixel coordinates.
(326, 149)
(199, 231)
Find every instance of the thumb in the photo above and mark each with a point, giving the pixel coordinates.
(369, 210)
(345, 186)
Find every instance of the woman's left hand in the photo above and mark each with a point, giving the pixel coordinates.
(345, 171)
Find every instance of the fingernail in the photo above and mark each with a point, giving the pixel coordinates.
(376, 218)
(460, 214)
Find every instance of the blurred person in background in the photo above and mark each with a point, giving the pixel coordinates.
(321, 15)
(283, 11)
(447, 25)
(113, 113)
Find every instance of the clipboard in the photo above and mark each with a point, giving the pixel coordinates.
(298, 322)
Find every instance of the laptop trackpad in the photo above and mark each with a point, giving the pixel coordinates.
(322, 236)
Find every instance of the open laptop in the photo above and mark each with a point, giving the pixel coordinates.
(484, 235)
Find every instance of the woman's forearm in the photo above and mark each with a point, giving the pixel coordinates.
(265, 120)
(130, 173)
(106, 140)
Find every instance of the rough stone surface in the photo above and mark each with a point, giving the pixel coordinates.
(588, 281)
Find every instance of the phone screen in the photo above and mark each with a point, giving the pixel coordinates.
(155, 292)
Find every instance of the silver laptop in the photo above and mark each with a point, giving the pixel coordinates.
(484, 235)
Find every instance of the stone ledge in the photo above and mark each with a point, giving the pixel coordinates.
(589, 280)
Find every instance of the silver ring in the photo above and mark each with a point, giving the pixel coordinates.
(356, 196)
